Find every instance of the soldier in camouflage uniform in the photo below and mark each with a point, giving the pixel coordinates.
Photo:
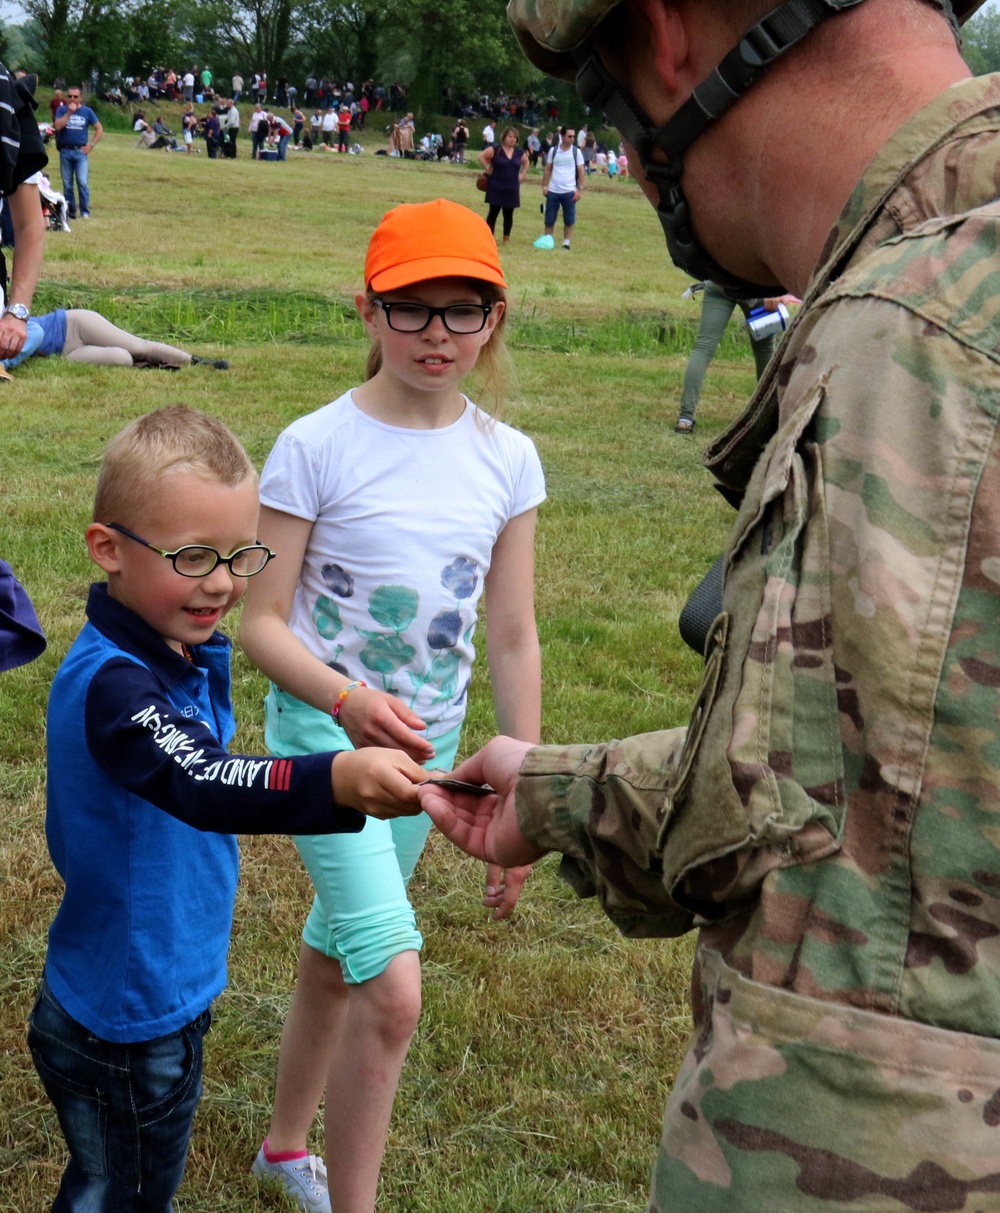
(830, 818)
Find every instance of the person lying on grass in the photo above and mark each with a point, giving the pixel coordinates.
(81, 335)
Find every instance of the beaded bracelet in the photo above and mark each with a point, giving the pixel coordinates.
(351, 686)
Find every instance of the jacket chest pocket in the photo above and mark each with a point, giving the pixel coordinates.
(760, 784)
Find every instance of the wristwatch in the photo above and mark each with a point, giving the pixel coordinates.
(18, 310)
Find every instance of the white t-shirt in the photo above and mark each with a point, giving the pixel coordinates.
(488, 133)
(189, 80)
(404, 524)
(330, 121)
(564, 163)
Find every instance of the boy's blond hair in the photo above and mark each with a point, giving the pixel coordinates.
(169, 438)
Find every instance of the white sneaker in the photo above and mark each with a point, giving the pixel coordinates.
(304, 1180)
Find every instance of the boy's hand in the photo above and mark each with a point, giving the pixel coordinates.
(381, 783)
(374, 718)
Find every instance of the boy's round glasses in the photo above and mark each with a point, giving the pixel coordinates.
(459, 318)
(194, 560)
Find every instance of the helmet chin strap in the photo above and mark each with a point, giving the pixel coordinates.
(742, 67)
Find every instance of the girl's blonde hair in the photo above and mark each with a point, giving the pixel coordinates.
(493, 367)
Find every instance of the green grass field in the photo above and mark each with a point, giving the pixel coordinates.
(548, 1043)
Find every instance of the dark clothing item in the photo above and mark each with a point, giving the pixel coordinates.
(21, 638)
(128, 1137)
(213, 135)
(503, 188)
(508, 219)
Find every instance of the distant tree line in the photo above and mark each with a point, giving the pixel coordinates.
(981, 42)
(429, 45)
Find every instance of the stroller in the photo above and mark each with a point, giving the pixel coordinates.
(54, 206)
(429, 147)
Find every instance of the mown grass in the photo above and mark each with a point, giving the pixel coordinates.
(548, 1043)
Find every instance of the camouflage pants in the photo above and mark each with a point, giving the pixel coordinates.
(787, 1104)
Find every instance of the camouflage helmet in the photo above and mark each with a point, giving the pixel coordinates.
(549, 31)
(556, 36)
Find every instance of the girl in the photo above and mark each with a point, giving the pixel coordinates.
(189, 124)
(393, 508)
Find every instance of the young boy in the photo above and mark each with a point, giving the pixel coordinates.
(144, 801)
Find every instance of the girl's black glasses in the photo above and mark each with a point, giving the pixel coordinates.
(460, 318)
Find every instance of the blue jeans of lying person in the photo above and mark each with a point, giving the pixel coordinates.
(125, 1110)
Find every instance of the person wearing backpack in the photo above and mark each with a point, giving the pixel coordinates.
(562, 183)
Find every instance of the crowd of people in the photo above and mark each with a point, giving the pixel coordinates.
(338, 112)
(318, 93)
(167, 84)
(338, 118)
(201, 84)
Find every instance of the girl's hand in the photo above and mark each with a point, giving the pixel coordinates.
(381, 783)
(374, 718)
(503, 888)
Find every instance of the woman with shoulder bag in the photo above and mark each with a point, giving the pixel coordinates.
(506, 165)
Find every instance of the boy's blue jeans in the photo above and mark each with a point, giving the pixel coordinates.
(125, 1110)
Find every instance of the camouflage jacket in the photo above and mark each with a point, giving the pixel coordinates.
(830, 818)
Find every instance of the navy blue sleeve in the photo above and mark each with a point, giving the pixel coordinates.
(176, 763)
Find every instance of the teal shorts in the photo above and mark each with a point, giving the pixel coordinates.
(361, 915)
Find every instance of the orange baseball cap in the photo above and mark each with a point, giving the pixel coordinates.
(439, 239)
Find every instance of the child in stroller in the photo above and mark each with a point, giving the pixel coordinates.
(428, 147)
(54, 206)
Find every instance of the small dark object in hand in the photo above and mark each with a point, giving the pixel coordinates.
(459, 785)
